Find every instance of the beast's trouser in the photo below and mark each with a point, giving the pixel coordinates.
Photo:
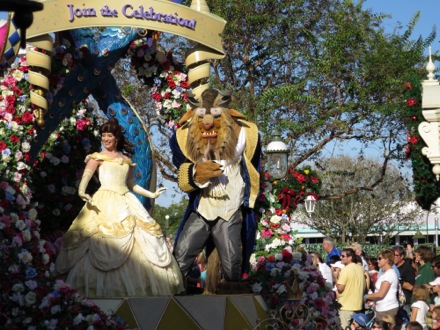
(227, 240)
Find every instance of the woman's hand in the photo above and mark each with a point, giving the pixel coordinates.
(159, 191)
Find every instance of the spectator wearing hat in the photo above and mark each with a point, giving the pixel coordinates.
(358, 250)
(435, 288)
(328, 245)
(350, 287)
(359, 321)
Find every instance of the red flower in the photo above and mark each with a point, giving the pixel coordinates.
(285, 237)
(27, 118)
(314, 180)
(412, 101)
(157, 97)
(279, 212)
(409, 85)
(413, 140)
(3, 145)
(14, 139)
(299, 177)
(271, 259)
(287, 256)
(184, 84)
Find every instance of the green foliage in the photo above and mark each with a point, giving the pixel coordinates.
(318, 73)
(426, 187)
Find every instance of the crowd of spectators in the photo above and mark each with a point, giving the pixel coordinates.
(399, 288)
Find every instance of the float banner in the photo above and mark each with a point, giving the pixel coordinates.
(157, 15)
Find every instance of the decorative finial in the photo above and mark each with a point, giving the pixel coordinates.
(200, 5)
(430, 67)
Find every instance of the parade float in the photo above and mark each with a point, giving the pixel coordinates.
(48, 125)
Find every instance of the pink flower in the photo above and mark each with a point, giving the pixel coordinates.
(266, 233)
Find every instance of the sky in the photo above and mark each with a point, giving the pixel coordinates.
(403, 10)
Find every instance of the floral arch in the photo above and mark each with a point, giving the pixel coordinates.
(100, 33)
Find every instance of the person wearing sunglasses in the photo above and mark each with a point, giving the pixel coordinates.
(385, 293)
(350, 286)
(381, 325)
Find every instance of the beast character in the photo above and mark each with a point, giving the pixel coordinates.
(217, 153)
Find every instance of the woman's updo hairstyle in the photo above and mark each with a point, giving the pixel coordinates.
(112, 126)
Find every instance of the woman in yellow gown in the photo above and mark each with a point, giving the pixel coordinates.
(114, 248)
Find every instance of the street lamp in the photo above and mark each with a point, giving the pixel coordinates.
(23, 14)
(310, 203)
(167, 224)
(277, 154)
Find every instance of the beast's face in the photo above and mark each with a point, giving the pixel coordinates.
(213, 134)
(209, 123)
(213, 127)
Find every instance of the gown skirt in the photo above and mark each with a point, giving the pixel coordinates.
(114, 248)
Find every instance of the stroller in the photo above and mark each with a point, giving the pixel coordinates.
(362, 321)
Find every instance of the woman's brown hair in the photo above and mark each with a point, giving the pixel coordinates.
(112, 126)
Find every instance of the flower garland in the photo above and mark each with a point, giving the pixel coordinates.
(59, 168)
(30, 296)
(279, 259)
(425, 185)
(166, 78)
(275, 203)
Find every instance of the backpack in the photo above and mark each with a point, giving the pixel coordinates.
(401, 296)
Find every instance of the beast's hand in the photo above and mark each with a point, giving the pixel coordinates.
(206, 171)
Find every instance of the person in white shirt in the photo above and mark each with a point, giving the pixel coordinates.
(385, 293)
(322, 267)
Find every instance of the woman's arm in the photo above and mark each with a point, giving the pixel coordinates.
(379, 295)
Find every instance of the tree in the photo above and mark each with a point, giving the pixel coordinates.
(319, 72)
(381, 210)
(175, 212)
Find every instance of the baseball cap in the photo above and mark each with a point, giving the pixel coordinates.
(356, 246)
(361, 319)
(337, 264)
(435, 282)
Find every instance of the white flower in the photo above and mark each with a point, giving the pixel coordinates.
(32, 214)
(17, 177)
(27, 235)
(18, 75)
(275, 219)
(45, 258)
(55, 309)
(19, 287)
(276, 243)
(72, 121)
(56, 212)
(20, 224)
(30, 298)
(278, 256)
(296, 255)
(25, 257)
(257, 287)
(31, 284)
(281, 289)
(78, 319)
(43, 174)
(55, 161)
(274, 272)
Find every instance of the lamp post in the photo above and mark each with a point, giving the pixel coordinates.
(23, 14)
(310, 203)
(277, 154)
(167, 225)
